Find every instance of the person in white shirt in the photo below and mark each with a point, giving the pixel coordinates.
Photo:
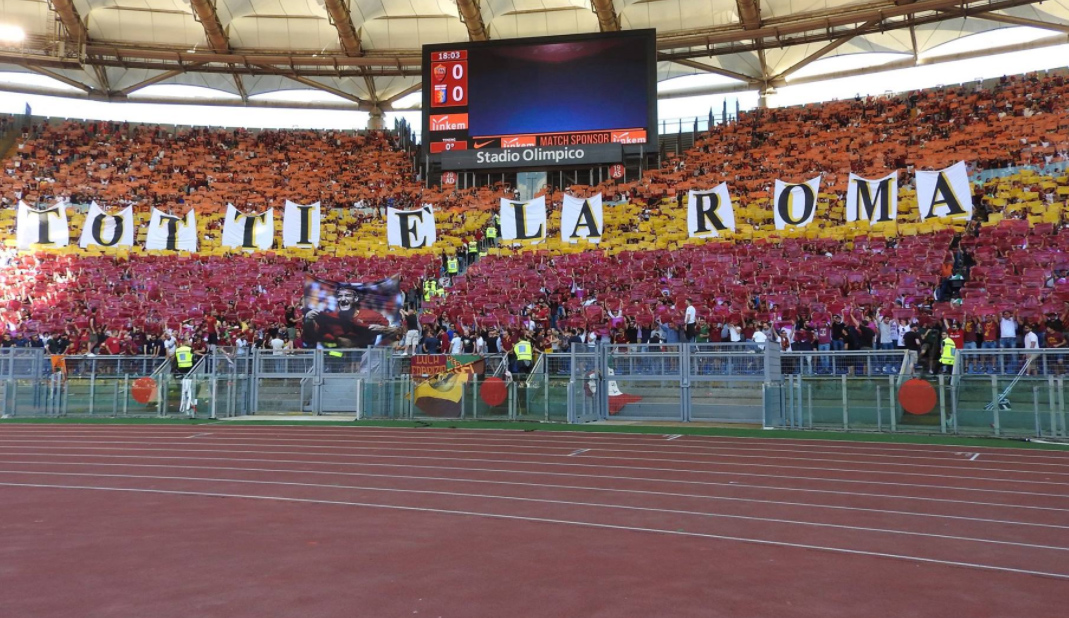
(480, 345)
(735, 332)
(169, 344)
(1031, 342)
(456, 344)
(1007, 331)
(277, 345)
(903, 328)
(690, 319)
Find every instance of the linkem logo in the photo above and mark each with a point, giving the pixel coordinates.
(449, 122)
(520, 141)
(628, 137)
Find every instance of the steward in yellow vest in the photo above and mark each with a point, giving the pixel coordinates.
(183, 358)
(452, 266)
(524, 352)
(947, 356)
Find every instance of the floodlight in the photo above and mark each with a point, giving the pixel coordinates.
(11, 34)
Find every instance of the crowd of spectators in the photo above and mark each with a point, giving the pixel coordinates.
(1022, 120)
(851, 292)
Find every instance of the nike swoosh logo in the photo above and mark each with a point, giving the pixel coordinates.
(478, 145)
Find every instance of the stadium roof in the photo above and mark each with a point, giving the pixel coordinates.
(367, 52)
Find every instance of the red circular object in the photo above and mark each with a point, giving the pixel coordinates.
(616, 171)
(494, 392)
(449, 178)
(917, 396)
(143, 390)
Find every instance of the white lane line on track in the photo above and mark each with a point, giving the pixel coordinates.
(637, 479)
(558, 436)
(675, 449)
(418, 509)
(601, 466)
(974, 457)
(674, 436)
(6, 444)
(199, 435)
(578, 452)
(567, 503)
(580, 488)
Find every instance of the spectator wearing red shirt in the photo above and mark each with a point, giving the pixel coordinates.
(130, 345)
(990, 332)
(823, 333)
(972, 341)
(956, 333)
(211, 327)
(822, 329)
(112, 344)
(1055, 339)
(803, 339)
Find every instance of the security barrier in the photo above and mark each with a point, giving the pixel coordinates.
(1005, 393)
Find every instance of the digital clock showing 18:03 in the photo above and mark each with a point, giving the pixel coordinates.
(458, 54)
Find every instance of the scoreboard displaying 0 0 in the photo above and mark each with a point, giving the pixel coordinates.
(547, 92)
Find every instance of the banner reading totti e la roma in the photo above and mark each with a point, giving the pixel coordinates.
(710, 212)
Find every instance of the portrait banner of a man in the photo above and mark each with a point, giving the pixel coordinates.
(351, 315)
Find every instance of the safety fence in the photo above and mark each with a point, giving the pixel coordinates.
(986, 392)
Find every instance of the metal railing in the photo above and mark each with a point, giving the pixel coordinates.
(1008, 392)
(23, 363)
(1010, 361)
(845, 363)
(728, 383)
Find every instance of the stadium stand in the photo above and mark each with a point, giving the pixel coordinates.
(1011, 257)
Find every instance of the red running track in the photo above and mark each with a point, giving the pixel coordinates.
(240, 521)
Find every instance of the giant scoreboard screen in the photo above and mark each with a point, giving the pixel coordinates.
(573, 91)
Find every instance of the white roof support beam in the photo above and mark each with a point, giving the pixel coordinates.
(59, 77)
(718, 71)
(817, 55)
(416, 87)
(314, 84)
(821, 26)
(241, 89)
(155, 80)
(371, 92)
(472, 17)
(102, 78)
(1022, 21)
(905, 63)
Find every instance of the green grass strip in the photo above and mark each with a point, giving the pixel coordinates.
(897, 438)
